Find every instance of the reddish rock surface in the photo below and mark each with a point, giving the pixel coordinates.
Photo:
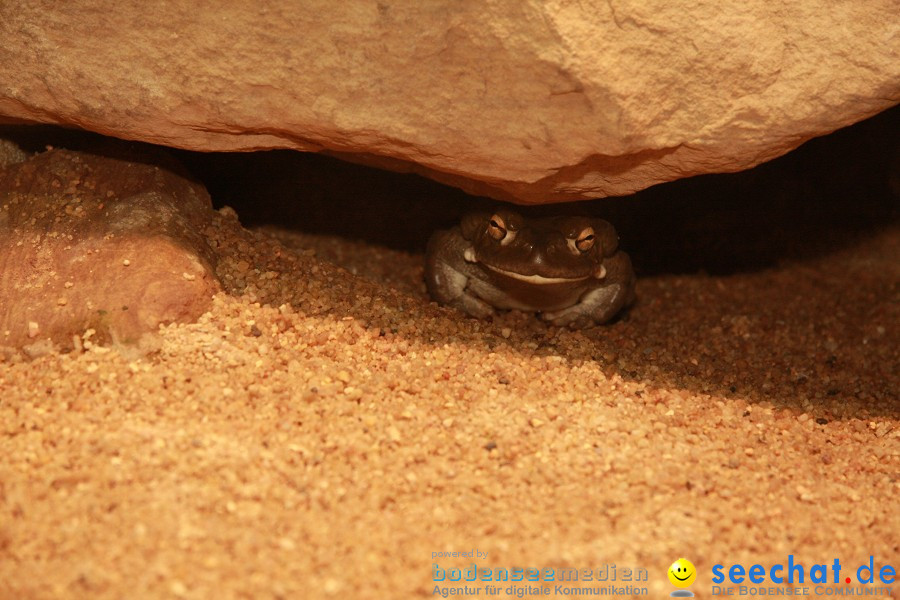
(528, 101)
(91, 242)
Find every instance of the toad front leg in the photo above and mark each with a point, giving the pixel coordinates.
(599, 305)
(447, 274)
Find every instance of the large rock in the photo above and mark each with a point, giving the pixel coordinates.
(519, 99)
(90, 242)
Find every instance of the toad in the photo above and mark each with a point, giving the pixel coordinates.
(569, 269)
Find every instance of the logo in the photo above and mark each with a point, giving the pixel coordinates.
(682, 574)
(794, 578)
(519, 582)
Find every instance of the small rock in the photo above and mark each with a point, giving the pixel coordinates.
(46, 247)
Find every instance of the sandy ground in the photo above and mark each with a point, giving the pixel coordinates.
(324, 430)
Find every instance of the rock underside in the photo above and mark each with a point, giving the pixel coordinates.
(527, 101)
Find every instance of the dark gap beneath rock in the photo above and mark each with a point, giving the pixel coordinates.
(825, 195)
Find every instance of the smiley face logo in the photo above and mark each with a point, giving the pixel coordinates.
(682, 573)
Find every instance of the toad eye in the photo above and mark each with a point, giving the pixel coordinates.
(585, 240)
(498, 230)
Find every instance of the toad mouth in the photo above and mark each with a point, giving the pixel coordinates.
(469, 256)
(536, 279)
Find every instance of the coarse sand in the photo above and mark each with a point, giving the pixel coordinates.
(324, 430)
